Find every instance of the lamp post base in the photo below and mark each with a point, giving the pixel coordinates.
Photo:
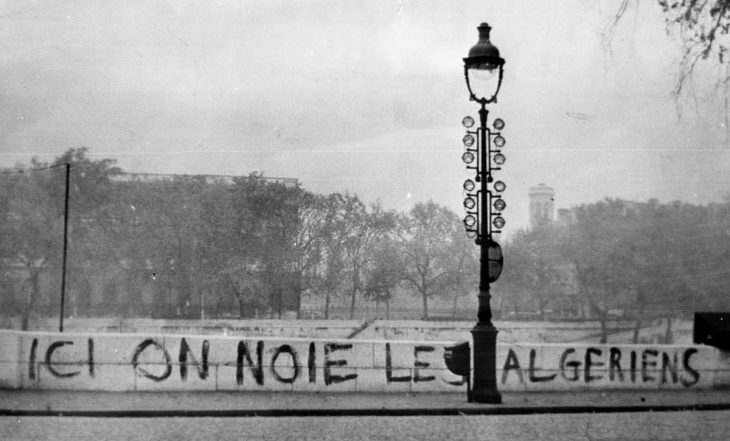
(484, 389)
(487, 398)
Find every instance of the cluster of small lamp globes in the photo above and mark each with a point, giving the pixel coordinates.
(494, 197)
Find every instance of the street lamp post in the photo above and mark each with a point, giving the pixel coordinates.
(483, 72)
(65, 246)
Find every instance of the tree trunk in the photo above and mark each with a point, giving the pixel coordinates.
(352, 304)
(170, 303)
(604, 332)
(201, 296)
(603, 319)
(353, 296)
(241, 309)
(637, 327)
(31, 298)
(668, 337)
(497, 310)
(387, 307)
(299, 304)
(272, 303)
(603, 315)
(425, 305)
(52, 309)
(542, 309)
(134, 295)
(327, 305)
(185, 295)
(640, 301)
(377, 306)
(279, 291)
(453, 308)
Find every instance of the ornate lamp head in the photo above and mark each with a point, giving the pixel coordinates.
(483, 68)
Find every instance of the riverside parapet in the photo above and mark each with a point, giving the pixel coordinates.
(132, 362)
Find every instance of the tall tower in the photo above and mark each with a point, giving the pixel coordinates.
(541, 205)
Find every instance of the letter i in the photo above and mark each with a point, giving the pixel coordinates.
(31, 360)
(91, 357)
(633, 366)
(312, 363)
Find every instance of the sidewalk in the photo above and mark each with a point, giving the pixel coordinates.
(166, 404)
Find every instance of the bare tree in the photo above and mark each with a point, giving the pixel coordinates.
(703, 27)
(426, 235)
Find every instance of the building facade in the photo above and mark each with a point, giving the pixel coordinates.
(542, 205)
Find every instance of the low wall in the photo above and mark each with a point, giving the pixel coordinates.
(413, 330)
(532, 332)
(127, 362)
(548, 367)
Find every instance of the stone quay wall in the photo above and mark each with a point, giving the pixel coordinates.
(140, 362)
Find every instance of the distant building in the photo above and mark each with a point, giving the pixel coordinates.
(542, 201)
(566, 216)
(208, 179)
(567, 301)
(135, 277)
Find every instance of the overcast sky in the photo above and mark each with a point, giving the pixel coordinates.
(365, 96)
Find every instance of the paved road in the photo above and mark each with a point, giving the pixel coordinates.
(706, 425)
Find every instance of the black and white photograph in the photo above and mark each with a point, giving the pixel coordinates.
(364, 220)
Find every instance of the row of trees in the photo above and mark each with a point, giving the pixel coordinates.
(644, 260)
(167, 246)
(241, 244)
